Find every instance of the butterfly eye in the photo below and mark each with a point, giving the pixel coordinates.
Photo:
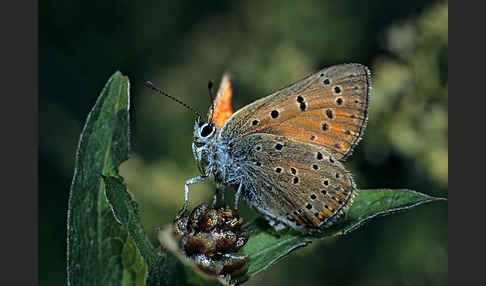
(207, 130)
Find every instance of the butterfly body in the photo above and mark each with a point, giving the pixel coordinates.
(214, 156)
(282, 152)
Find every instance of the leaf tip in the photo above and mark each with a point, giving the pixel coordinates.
(119, 74)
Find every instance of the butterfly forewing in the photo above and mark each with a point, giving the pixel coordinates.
(221, 109)
(328, 109)
(297, 183)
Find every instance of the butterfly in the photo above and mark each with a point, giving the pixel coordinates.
(283, 152)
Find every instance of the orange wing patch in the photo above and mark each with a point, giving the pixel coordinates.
(222, 104)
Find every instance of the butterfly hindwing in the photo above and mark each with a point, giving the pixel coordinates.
(297, 183)
(328, 109)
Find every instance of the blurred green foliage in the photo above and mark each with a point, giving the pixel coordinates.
(180, 45)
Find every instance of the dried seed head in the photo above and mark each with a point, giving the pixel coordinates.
(211, 238)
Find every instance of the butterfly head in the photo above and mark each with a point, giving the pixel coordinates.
(204, 138)
(203, 133)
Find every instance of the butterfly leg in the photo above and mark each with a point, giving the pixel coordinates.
(237, 196)
(277, 226)
(221, 194)
(186, 192)
(218, 198)
(215, 199)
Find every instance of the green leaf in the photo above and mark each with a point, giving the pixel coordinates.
(125, 211)
(163, 268)
(266, 246)
(99, 250)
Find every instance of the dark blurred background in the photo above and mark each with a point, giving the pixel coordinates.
(266, 45)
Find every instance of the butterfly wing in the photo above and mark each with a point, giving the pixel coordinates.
(297, 183)
(221, 109)
(328, 108)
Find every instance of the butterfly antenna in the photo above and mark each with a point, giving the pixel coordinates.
(153, 87)
(211, 97)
